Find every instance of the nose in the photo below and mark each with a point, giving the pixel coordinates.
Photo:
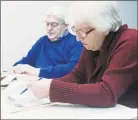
(49, 27)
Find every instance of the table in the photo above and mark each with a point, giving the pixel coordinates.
(69, 111)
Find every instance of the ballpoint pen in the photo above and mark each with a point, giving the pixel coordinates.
(27, 88)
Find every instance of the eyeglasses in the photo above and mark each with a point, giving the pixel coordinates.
(82, 32)
(52, 24)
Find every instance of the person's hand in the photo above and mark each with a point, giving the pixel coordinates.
(40, 88)
(26, 69)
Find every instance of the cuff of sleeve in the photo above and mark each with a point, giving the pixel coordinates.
(41, 72)
(37, 71)
(63, 92)
(45, 72)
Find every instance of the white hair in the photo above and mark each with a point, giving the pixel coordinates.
(57, 11)
(103, 15)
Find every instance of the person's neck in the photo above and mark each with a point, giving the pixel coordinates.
(64, 33)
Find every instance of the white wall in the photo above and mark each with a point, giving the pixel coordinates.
(22, 23)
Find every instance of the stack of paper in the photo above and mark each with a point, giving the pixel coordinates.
(7, 80)
(16, 101)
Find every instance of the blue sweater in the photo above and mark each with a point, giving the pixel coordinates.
(55, 59)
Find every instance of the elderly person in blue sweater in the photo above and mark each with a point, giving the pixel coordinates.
(55, 54)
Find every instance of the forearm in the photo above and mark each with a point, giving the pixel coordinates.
(56, 71)
(86, 94)
(101, 94)
(24, 60)
(70, 78)
(31, 56)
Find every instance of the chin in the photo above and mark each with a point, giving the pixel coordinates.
(51, 37)
(95, 49)
(86, 47)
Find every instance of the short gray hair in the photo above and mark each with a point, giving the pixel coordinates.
(103, 15)
(57, 11)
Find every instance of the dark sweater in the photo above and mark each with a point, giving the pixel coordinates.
(55, 59)
(104, 78)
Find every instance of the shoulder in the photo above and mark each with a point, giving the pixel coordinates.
(71, 39)
(128, 39)
(129, 35)
(41, 39)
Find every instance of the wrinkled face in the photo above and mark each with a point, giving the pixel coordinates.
(54, 27)
(89, 36)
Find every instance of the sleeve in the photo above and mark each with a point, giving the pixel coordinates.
(63, 69)
(30, 58)
(120, 74)
(78, 73)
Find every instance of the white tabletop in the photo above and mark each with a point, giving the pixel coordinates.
(68, 111)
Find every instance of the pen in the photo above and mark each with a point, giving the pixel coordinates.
(27, 88)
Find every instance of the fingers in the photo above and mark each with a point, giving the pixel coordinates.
(20, 69)
(29, 85)
(39, 89)
(26, 69)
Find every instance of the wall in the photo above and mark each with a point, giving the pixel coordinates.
(22, 23)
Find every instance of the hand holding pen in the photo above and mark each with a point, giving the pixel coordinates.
(41, 88)
(27, 88)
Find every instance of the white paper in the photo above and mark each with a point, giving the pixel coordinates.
(21, 101)
(7, 80)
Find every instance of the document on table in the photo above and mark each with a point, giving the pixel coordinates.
(7, 80)
(16, 101)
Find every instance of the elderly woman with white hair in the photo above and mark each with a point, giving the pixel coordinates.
(55, 54)
(107, 70)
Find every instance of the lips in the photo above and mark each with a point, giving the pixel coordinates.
(51, 33)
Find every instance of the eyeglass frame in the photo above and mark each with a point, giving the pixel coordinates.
(86, 33)
(54, 26)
